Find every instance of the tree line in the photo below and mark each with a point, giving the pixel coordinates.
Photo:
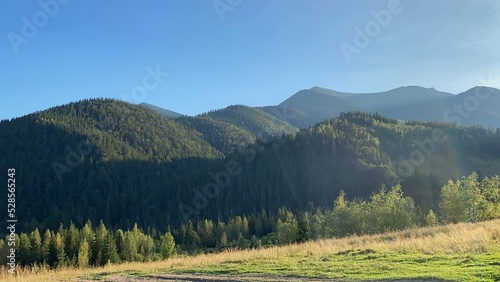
(466, 199)
(88, 246)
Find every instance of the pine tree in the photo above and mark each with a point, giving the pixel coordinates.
(431, 219)
(120, 243)
(255, 243)
(46, 255)
(223, 239)
(287, 231)
(36, 246)
(110, 254)
(56, 251)
(98, 256)
(129, 252)
(245, 228)
(242, 242)
(72, 243)
(83, 254)
(304, 230)
(24, 250)
(167, 245)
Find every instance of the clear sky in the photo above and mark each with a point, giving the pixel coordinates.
(224, 52)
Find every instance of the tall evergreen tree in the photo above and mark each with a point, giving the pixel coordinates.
(84, 253)
(36, 246)
(167, 245)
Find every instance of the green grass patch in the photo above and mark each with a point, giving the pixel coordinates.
(367, 265)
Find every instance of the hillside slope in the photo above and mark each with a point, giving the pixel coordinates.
(253, 120)
(141, 167)
(223, 136)
(161, 111)
(459, 252)
(396, 98)
(95, 159)
(476, 106)
(308, 107)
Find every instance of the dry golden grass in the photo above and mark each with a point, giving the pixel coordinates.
(463, 238)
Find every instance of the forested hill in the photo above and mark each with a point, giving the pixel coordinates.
(254, 120)
(225, 137)
(104, 159)
(115, 130)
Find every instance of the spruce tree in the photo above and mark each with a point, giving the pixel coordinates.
(304, 230)
(36, 246)
(83, 254)
(167, 245)
(98, 256)
(120, 243)
(72, 243)
(110, 254)
(56, 251)
(46, 255)
(24, 250)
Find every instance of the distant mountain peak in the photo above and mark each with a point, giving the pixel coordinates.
(319, 88)
(161, 111)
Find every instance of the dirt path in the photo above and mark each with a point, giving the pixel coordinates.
(232, 278)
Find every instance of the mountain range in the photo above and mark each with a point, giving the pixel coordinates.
(476, 106)
(103, 159)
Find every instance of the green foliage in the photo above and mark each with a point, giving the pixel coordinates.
(36, 246)
(123, 158)
(386, 211)
(287, 231)
(106, 247)
(431, 219)
(24, 249)
(110, 254)
(304, 229)
(223, 239)
(391, 211)
(253, 120)
(451, 205)
(83, 254)
(468, 199)
(167, 245)
(56, 251)
(224, 136)
(132, 165)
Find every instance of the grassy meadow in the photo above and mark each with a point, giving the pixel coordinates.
(459, 252)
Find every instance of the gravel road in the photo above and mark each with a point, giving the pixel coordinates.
(233, 278)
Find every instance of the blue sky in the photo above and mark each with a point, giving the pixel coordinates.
(258, 53)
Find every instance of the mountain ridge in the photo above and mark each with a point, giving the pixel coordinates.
(135, 165)
(310, 106)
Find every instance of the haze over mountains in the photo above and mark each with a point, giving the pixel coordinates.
(476, 106)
